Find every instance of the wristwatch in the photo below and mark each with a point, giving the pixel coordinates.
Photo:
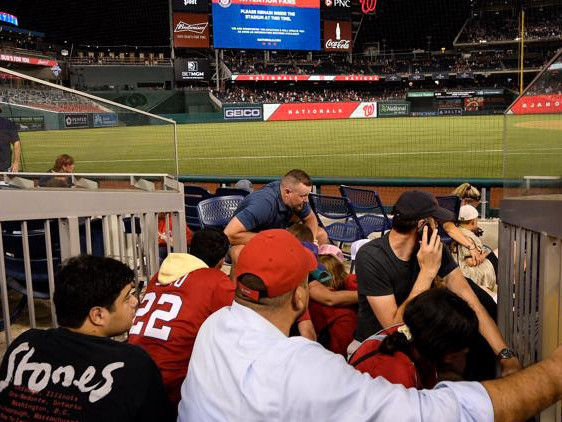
(506, 353)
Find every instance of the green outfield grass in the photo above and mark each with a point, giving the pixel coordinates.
(445, 147)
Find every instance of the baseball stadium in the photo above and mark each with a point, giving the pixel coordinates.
(150, 151)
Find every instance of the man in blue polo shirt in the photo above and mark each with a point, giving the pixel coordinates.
(275, 206)
(9, 139)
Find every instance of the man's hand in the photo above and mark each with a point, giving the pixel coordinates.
(510, 366)
(430, 253)
(15, 167)
(477, 257)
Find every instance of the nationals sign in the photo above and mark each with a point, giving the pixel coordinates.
(319, 111)
(303, 78)
(538, 104)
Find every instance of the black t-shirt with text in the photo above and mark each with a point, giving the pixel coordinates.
(381, 273)
(59, 375)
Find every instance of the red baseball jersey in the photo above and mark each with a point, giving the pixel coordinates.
(169, 318)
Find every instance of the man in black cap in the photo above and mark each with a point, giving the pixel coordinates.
(9, 139)
(395, 268)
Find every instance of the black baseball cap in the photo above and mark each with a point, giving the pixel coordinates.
(415, 204)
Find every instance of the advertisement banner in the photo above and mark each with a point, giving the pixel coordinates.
(242, 112)
(418, 94)
(303, 78)
(337, 36)
(191, 30)
(450, 111)
(338, 9)
(190, 5)
(416, 77)
(393, 109)
(192, 70)
(267, 24)
(72, 121)
(29, 123)
(473, 103)
(465, 75)
(392, 78)
(319, 111)
(105, 120)
(27, 60)
(439, 76)
(538, 104)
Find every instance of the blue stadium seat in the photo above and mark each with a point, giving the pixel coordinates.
(368, 205)
(228, 191)
(216, 212)
(337, 208)
(194, 194)
(453, 204)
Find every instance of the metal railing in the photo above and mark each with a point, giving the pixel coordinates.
(530, 279)
(42, 227)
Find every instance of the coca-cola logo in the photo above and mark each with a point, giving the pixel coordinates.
(368, 6)
(337, 45)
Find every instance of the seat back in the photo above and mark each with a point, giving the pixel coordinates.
(333, 207)
(217, 212)
(14, 261)
(194, 194)
(228, 191)
(363, 200)
(453, 204)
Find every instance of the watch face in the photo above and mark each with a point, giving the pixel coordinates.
(506, 354)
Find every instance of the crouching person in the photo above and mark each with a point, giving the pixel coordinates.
(77, 372)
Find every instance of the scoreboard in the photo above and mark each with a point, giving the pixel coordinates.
(266, 24)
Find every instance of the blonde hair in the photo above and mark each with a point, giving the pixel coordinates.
(336, 269)
(467, 191)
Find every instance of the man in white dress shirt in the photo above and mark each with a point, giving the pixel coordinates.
(245, 367)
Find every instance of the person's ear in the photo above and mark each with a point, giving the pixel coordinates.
(299, 300)
(98, 315)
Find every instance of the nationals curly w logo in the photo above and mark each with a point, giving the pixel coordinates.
(368, 6)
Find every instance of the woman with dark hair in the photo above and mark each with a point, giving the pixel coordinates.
(430, 346)
(63, 164)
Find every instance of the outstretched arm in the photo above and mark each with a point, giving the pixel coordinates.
(16, 157)
(236, 232)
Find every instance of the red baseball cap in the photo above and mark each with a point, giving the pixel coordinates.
(278, 258)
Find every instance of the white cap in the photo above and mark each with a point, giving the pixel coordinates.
(467, 213)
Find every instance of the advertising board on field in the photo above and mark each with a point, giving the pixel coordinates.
(105, 119)
(456, 111)
(190, 5)
(242, 112)
(191, 30)
(337, 36)
(393, 109)
(75, 121)
(538, 104)
(192, 69)
(319, 111)
(266, 24)
(28, 123)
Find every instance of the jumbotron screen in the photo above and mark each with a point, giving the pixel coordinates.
(267, 24)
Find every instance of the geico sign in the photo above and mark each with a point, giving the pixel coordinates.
(242, 113)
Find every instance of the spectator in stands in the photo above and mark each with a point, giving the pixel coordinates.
(244, 367)
(165, 234)
(430, 345)
(484, 273)
(395, 268)
(63, 164)
(181, 295)
(76, 371)
(245, 184)
(469, 196)
(276, 205)
(334, 321)
(9, 140)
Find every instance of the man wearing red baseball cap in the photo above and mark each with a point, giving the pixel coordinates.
(244, 367)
